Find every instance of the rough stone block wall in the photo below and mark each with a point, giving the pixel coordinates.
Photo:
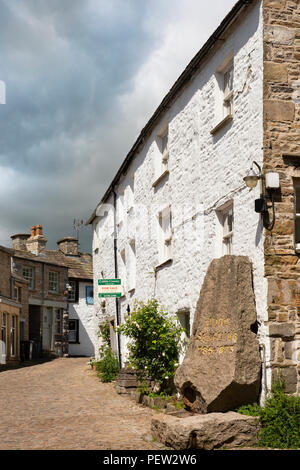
(282, 154)
(5, 264)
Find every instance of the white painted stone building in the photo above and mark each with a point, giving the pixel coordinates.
(180, 197)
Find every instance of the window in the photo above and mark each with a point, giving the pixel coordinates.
(4, 330)
(224, 93)
(162, 155)
(73, 331)
(227, 223)
(13, 336)
(132, 266)
(165, 235)
(58, 321)
(73, 294)
(228, 91)
(89, 295)
(28, 273)
(53, 281)
(297, 215)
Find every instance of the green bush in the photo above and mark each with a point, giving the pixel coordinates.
(108, 366)
(155, 342)
(280, 419)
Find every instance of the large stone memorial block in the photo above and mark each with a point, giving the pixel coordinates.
(222, 367)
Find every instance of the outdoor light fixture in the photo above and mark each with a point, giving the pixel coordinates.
(269, 183)
(251, 180)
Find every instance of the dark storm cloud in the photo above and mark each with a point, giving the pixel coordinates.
(82, 78)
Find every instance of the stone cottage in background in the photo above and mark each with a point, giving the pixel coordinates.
(216, 171)
(53, 293)
(12, 314)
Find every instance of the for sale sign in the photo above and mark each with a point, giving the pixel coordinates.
(110, 288)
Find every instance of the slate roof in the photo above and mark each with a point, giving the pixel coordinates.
(79, 267)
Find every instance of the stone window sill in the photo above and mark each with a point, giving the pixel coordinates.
(222, 124)
(164, 263)
(160, 178)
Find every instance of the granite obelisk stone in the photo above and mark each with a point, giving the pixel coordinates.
(222, 366)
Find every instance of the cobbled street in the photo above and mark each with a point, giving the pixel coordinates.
(62, 405)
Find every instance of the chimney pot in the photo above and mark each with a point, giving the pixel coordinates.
(32, 233)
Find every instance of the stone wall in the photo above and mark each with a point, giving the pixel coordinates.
(5, 263)
(282, 154)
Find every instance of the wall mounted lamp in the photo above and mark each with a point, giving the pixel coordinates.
(269, 183)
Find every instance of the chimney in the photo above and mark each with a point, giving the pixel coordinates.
(19, 241)
(36, 243)
(68, 246)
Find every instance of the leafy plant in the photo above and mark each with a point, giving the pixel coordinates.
(280, 418)
(155, 342)
(108, 366)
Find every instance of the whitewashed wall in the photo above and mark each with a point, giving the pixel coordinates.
(205, 171)
(87, 332)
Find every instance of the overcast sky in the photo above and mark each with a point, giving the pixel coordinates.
(82, 78)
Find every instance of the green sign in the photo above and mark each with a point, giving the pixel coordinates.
(109, 282)
(117, 294)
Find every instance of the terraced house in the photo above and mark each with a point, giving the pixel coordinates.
(47, 298)
(216, 171)
(12, 314)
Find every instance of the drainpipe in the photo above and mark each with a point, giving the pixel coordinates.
(116, 274)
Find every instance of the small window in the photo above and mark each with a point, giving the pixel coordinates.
(53, 281)
(132, 266)
(227, 223)
(297, 215)
(58, 321)
(89, 293)
(28, 273)
(165, 235)
(161, 167)
(73, 294)
(228, 91)
(73, 331)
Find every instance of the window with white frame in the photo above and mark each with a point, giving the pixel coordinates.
(227, 224)
(73, 293)
(228, 90)
(297, 214)
(132, 265)
(28, 273)
(165, 235)
(73, 331)
(53, 281)
(162, 155)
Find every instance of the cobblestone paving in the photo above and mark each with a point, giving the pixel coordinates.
(62, 405)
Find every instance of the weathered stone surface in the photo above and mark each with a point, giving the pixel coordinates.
(286, 330)
(275, 72)
(279, 110)
(206, 432)
(221, 369)
(279, 35)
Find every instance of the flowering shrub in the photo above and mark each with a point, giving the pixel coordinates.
(155, 342)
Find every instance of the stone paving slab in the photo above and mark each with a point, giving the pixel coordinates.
(61, 405)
